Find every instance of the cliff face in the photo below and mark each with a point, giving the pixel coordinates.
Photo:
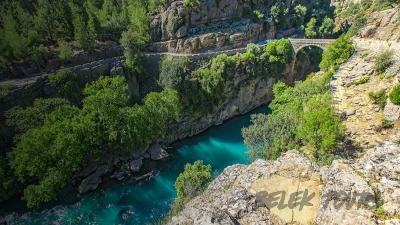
(384, 25)
(221, 24)
(264, 192)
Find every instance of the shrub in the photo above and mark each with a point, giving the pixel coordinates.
(257, 16)
(362, 80)
(193, 180)
(394, 96)
(385, 124)
(383, 61)
(65, 52)
(39, 55)
(173, 72)
(174, 22)
(337, 52)
(64, 78)
(379, 98)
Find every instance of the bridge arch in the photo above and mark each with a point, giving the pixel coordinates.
(299, 44)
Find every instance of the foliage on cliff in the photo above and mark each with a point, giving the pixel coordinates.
(205, 92)
(52, 146)
(302, 116)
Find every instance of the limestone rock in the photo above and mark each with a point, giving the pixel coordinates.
(350, 111)
(231, 197)
(93, 181)
(391, 111)
(135, 165)
(157, 152)
(342, 186)
(182, 32)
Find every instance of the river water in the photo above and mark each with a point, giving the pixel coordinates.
(126, 202)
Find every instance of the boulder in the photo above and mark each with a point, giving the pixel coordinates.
(391, 111)
(182, 32)
(93, 181)
(157, 152)
(350, 112)
(135, 165)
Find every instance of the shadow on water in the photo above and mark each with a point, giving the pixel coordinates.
(126, 202)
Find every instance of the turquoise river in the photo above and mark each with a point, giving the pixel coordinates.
(126, 202)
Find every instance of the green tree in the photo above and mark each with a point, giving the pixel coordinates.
(278, 13)
(50, 154)
(321, 128)
(310, 29)
(327, 27)
(84, 39)
(136, 37)
(33, 116)
(193, 180)
(173, 73)
(337, 52)
(301, 11)
(65, 52)
(277, 54)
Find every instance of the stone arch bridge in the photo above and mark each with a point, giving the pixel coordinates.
(298, 43)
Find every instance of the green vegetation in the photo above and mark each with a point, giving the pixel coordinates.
(193, 180)
(301, 115)
(278, 13)
(337, 52)
(383, 61)
(202, 94)
(327, 27)
(378, 98)
(277, 55)
(55, 136)
(384, 76)
(64, 78)
(190, 183)
(173, 72)
(29, 31)
(362, 80)
(394, 96)
(311, 29)
(65, 52)
(385, 124)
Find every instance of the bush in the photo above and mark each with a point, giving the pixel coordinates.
(193, 180)
(362, 80)
(379, 98)
(39, 55)
(174, 22)
(257, 16)
(337, 52)
(173, 72)
(394, 96)
(277, 55)
(383, 61)
(64, 78)
(65, 52)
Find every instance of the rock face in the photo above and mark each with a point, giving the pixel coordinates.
(157, 152)
(237, 196)
(391, 111)
(383, 26)
(93, 181)
(346, 192)
(222, 24)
